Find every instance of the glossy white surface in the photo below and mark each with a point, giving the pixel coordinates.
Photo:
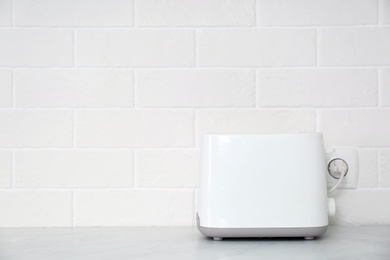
(186, 243)
(263, 181)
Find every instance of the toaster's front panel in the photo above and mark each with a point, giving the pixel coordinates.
(263, 181)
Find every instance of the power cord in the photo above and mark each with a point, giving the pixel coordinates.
(342, 171)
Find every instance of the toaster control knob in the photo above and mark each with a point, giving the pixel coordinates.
(331, 207)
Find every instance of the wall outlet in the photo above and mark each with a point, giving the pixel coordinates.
(350, 156)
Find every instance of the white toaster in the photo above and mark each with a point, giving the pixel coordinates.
(263, 185)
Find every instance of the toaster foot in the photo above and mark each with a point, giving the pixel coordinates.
(309, 238)
(217, 238)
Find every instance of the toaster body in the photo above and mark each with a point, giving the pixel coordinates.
(263, 185)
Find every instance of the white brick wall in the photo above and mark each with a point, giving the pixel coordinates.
(135, 48)
(255, 121)
(5, 169)
(368, 168)
(36, 48)
(256, 47)
(167, 169)
(35, 208)
(384, 11)
(6, 88)
(317, 12)
(384, 168)
(134, 128)
(177, 13)
(73, 88)
(102, 109)
(36, 128)
(78, 13)
(313, 87)
(354, 46)
(358, 127)
(6, 13)
(195, 88)
(73, 169)
(362, 206)
(384, 87)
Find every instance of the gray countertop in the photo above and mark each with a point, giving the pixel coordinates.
(187, 243)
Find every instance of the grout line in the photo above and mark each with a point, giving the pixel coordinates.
(73, 206)
(129, 189)
(379, 12)
(211, 27)
(378, 82)
(72, 68)
(317, 48)
(74, 129)
(134, 14)
(196, 128)
(134, 170)
(134, 100)
(12, 13)
(178, 109)
(107, 149)
(13, 177)
(265, 67)
(379, 168)
(74, 190)
(369, 148)
(256, 13)
(116, 149)
(371, 189)
(135, 89)
(13, 88)
(365, 147)
(196, 48)
(74, 48)
(256, 90)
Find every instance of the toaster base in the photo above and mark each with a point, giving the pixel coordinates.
(220, 233)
